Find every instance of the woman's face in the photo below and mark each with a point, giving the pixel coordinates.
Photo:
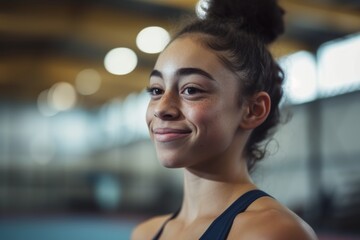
(194, 112)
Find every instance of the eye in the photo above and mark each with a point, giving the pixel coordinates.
(191, 90)
(153, 91)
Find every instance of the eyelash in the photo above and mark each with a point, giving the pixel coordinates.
(155, 91)
(192, 89)
(151, 91)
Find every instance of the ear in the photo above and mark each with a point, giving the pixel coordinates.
(256, 110)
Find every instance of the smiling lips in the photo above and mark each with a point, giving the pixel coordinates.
(169, 134)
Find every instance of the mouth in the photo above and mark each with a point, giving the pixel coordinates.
(170, 134)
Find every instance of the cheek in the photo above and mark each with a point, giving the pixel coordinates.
(215, 119)
(149, 115)
(205, 115)
(197, 112)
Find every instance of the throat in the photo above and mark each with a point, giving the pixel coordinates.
(206, 199)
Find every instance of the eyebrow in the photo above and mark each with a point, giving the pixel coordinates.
(184, 72)
(156, 73)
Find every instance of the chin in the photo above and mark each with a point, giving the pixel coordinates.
(170, 162)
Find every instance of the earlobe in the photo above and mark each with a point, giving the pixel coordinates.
(256, 111)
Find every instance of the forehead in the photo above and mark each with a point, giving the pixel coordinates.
(188, 51)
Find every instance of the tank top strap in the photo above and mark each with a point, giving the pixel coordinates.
(220, 227)
(158, 234)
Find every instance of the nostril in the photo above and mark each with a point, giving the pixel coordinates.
(166, 115)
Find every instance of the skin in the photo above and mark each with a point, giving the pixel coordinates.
(197, 123)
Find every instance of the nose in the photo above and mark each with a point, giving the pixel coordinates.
(167, 107)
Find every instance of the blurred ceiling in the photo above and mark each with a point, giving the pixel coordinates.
(44, 42)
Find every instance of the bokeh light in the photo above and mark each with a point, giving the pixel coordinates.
(62, 96)
(108, 192)
(88, 81)
(120, 61)
(152, 39)
(300, 77)
(43, 104)
(339, 66)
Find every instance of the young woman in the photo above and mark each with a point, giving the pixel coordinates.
(215, 92)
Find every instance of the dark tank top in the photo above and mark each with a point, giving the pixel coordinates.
(219, 229)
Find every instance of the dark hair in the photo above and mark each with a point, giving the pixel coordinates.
(239, 32)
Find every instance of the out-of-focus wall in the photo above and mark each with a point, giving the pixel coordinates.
(316, 160)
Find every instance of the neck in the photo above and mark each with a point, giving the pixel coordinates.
(209, 194)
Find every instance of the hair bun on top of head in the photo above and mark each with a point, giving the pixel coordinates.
(263, 18)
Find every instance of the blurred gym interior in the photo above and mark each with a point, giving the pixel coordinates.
(76, 161)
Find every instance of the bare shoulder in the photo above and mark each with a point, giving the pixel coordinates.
(269, 220)
(149, 228)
